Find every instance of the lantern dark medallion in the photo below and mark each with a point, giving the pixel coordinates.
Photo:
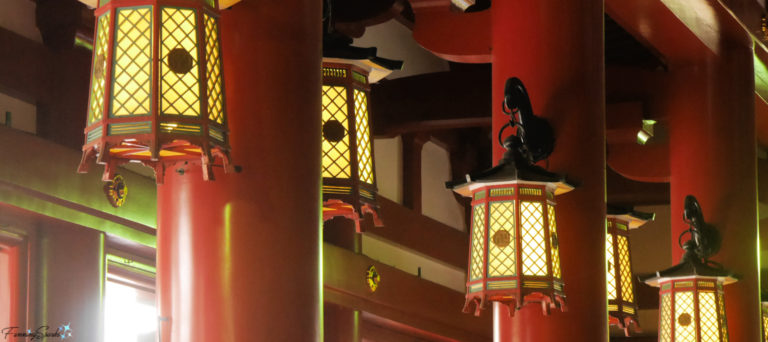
(514, 253)
(622, 305)
(157, 88)
(692, 303)
(349, 180)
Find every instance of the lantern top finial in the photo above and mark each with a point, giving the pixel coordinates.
(703, 243)
(534, 141)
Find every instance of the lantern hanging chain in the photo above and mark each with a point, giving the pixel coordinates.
(704, 239)
(534, 139)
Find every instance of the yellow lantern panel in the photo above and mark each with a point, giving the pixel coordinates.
(364, 156)
(721, 315)
(215, 89)
(98, 75)
(625, 269)
(765, 327)
(534, 249)
(132, 81)
(554, 242)
(685, 317)
(478, 230)
(336, 159)
(665, 331)
(501, 239)
(708, 317)
(611, 275)
(180, 81)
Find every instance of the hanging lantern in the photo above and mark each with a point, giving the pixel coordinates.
(692, 304)
(622, 306)
(157, 89)
(349, 179)
(514, 248)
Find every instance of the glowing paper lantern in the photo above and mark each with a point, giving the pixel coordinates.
(349, 177)
(622, 304)
(514, 254)
(157, 88)
(692, 304)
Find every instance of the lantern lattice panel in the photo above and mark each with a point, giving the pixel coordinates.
(765, 322)
(478, 234)
(611, 276)
(98, 79)
(514, 257)
(364, 156)
(336, 159)
(533, 240)
(708, 317)
(627, 291)
(501, 256)
(132, 85)
(215, 88)
(178, 37)
(555, 250)
(665, 331)
(152, 100)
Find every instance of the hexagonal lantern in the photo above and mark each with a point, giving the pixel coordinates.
(514, 254)
(622, 306)
(157, 88)
(692, 303)
(349, 178)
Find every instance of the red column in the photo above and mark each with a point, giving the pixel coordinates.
(713, 157)
(342, 324)
(239, 257)
(556, 49)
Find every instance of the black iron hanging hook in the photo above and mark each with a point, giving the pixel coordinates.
(534, 140)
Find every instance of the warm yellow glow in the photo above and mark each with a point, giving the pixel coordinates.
(501, 239)
(98, 75)
(625, 269)
(336, 154)
(611, 275)
(180, 92)
(708, 317)
(723, 322)
(364, 158)
(665, 333)
(478, 232)
(215, 92)
(554, 242)
(131, 85)
(765, 327)
(534, 253)
(685, 317)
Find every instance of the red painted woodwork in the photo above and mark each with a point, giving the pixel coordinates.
(450, 35)
(238, 258)
(563, 71)
(341, 324)
(713, 157)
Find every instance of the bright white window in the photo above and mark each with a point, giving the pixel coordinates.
(130, 313)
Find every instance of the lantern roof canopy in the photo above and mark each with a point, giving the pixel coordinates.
(635, 218)
(690, 268)
(338, 48)
(510, 172)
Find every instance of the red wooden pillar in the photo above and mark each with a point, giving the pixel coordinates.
(239, 257)
(556, 49)
(713, 157)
